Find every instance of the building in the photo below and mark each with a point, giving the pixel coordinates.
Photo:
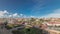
(53, 24)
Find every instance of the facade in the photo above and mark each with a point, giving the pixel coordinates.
(53, 24)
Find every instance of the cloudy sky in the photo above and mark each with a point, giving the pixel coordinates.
(29, 8)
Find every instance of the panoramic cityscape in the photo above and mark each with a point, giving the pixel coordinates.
(29, 16)
(17, 25)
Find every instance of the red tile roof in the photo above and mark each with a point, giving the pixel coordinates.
(54, 23)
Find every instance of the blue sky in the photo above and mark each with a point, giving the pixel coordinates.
(37, 8)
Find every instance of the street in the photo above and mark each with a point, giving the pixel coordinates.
(5, 31)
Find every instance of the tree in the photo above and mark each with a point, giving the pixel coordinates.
(6, 22)
(32, 20)
(28, 31)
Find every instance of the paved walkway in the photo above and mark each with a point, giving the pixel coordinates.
(4, 31)
(53, 31)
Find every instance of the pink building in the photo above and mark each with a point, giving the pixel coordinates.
(53, 24)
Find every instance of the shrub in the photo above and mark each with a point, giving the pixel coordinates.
(8, 27)
(28, 31)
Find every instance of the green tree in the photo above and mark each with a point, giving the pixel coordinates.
(32, 20)
(28, 31)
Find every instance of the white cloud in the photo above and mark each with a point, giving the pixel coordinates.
(55, 14)
(32, 16)
(10, 15)
(2, 13)
(57, 11)
(6, 14)
(21, 14)
(5, 11)
(15, 14)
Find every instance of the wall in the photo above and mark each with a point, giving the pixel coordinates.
(53, 31)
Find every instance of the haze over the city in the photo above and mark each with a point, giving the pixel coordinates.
(30, 8)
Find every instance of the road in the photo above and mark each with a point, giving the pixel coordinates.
(16, 28)
(5, 31)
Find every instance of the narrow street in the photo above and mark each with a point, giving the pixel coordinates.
(4, 31)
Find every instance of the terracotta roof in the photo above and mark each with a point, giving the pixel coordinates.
(54, 23)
